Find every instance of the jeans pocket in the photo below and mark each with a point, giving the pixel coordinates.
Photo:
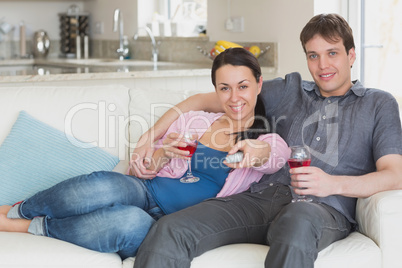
(281, 191)
(282, 195)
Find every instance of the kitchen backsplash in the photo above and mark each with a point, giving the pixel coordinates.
(178, 49)
(173, 49)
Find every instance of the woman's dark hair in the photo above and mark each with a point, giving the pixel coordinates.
(242, 57)
(332, 27)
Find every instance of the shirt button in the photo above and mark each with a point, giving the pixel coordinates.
(329, 101)
(318, 139)
(324, 117)
(271, 184)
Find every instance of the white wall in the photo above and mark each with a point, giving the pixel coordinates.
(278, 21)
(331, 6)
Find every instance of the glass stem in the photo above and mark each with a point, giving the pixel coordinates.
(189, 173)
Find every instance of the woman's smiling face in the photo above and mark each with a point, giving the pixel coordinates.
(237, 90)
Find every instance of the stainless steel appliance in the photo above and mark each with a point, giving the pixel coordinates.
(41, 44)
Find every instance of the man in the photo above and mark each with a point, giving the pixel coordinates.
(354, 136)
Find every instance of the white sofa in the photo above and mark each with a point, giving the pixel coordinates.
(102, 117)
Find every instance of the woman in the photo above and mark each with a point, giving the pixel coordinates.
(112, 212)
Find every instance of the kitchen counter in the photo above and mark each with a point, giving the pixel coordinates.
(40, 70)
(35, 70)
(92, 72)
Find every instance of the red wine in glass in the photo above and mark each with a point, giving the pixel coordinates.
(191, 147)
(294, 163)
(299, 157)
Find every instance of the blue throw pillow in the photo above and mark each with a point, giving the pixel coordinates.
(35, 156)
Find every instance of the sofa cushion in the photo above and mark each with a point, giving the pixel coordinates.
(147, 106)
(19, 250)
(356, 250)
(35, 156)
(93, 114)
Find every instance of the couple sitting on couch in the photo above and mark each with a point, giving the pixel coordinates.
(354, 134)
(112, 212)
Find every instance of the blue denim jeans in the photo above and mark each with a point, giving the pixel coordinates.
(295, 232)
(102, 211)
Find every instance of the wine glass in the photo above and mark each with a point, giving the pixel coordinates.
(191, 147)
(300, 157)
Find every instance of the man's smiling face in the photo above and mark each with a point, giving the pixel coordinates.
(330, 65)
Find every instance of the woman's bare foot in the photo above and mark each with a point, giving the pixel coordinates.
(13, 225)
(4, 209)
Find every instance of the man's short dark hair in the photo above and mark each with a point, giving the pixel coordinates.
(332, 27)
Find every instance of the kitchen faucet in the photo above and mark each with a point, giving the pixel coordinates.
(154, 44)
(118, 21)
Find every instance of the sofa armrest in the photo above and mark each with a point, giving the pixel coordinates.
(380, 217)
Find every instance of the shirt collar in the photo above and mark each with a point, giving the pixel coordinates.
(357, 88)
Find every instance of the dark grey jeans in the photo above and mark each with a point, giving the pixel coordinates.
(296, 232)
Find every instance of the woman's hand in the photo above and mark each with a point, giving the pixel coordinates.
(146, 162)
(169, 150)
(141, 159)
(256, 153)
(171, 144)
